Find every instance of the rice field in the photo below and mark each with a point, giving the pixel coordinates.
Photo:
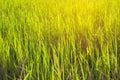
(59, 39)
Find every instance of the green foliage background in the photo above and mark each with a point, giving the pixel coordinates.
(59, 39)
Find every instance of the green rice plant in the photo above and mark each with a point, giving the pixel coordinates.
(59, 40)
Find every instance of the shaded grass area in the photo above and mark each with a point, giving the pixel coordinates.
(59, 40)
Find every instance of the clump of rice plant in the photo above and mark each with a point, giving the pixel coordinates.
(59, 40)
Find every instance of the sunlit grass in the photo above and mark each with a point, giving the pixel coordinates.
(59, 40)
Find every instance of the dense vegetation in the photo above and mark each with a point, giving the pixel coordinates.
(60, 39)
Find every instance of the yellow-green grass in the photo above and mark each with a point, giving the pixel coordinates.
(59, 39)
